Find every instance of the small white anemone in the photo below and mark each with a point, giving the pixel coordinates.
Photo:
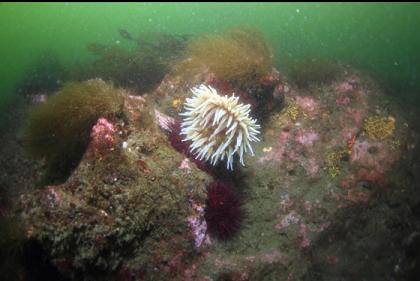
(218, 126)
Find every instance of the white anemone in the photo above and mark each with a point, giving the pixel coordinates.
(218, 126)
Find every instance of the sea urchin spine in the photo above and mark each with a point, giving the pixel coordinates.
(218, 126)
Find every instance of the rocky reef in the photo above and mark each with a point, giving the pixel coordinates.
(331, 193)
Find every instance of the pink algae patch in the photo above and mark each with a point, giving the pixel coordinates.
(277, 154)
(307, 137)
(342, 100)
(308, 104)
(185, 164)
(289, 219)
(345, 87)
(103, 137)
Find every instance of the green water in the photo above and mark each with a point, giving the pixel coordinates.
(380, 38)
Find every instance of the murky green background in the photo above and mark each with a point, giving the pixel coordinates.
(381, 38)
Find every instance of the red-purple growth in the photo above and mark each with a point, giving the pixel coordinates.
(181, 146)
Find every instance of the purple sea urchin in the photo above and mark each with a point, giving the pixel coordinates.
(223, 212)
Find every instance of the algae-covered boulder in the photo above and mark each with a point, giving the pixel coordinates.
(125, 206)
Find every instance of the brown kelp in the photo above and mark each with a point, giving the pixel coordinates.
(306, 71)
(59, 129)
(140, 68)
(167, 46)
(44, 76)
(129, 69)
(239, 55)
